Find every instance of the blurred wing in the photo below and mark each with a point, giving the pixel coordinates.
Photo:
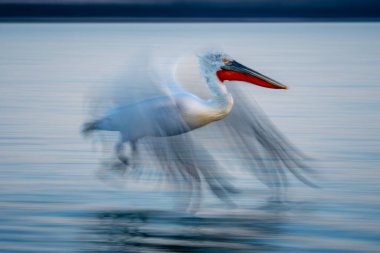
(260, 145)
(130, 83)
(162, 69)
(146, 74)
(186, 163)
(252, 142)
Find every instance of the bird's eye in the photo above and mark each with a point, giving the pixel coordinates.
(227, 61)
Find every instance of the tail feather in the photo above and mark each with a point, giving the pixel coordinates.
(90, 126)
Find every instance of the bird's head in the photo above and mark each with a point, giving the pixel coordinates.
(227, 69)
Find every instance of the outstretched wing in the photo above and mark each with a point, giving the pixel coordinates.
(162, 71)
(145, 74)
(187, 164)
(259, 145)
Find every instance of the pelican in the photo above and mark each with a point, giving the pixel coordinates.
(174, 116)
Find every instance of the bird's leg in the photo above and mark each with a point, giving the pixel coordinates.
(120, 152)
(133, 147)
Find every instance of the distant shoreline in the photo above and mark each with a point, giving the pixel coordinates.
(184, 20)
(191, 11)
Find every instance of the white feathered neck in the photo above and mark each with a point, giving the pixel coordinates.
(221, 100)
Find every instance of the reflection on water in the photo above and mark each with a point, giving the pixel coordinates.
(163, 231)
(51, 197)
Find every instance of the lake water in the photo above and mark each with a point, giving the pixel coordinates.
(53, 200)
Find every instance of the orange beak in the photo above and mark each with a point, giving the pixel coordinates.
(234, 71)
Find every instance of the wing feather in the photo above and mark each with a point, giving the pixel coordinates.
(266, 151)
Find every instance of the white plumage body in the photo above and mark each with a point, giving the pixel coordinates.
(161, 116)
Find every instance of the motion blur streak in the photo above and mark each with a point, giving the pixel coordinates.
(51, 197)
(245, 132)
